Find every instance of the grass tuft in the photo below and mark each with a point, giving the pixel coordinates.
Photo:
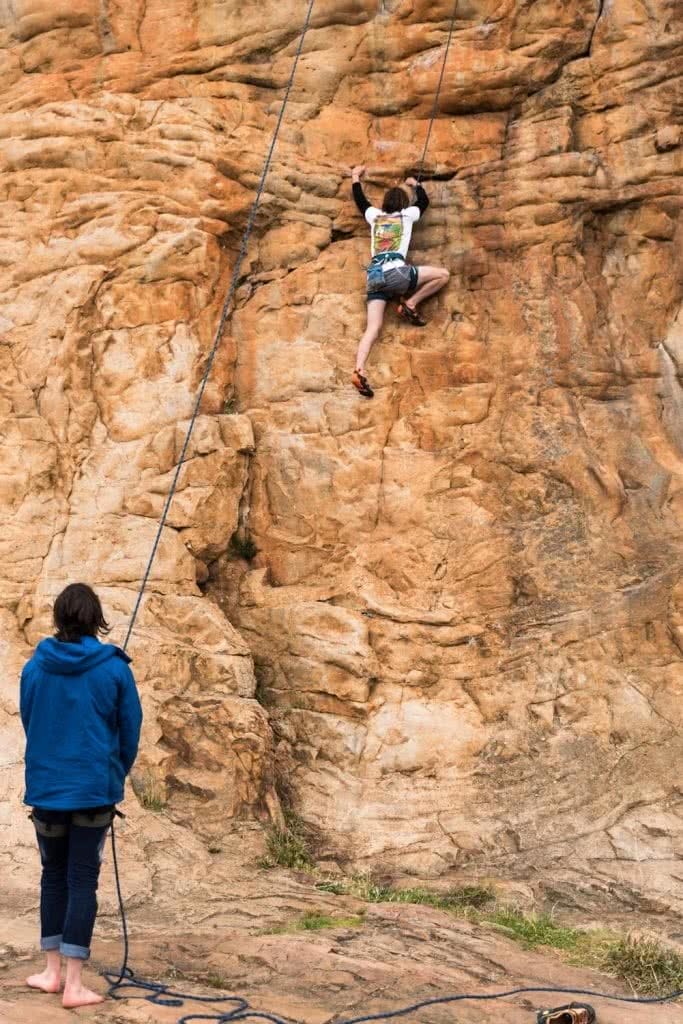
(149, 792)
(315, 921)
(364, 888)
(533, 930)
(312, 921)
(216, 981)
(645, 965)
(289, 847)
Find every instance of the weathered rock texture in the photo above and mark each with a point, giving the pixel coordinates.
(466, 613)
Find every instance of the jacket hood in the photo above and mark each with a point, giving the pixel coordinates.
(71, 659)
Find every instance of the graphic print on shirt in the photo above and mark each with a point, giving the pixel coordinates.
(386, 234)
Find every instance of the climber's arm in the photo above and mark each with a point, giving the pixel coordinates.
(421, 197)
(358, 194)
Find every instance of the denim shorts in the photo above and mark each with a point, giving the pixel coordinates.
(397, 281)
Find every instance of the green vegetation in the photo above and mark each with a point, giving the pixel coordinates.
(648, 967)
(242, 546)
(315, 921)
(533, 930)
(149, 792)
(289, 847)
(364, 888)
(216, 981)
(645, 965)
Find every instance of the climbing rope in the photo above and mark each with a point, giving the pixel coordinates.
(221, 324)
(158, 993)
(125, 971)
(437, 94)
(122, 986)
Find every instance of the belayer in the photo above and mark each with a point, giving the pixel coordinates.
(81, 714)
(389, 274)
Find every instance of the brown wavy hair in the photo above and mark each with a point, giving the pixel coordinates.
(78, 613)
(395, 200)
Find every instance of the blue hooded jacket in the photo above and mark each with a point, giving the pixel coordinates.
(81, 714)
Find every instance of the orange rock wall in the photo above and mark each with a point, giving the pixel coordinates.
(466, 611)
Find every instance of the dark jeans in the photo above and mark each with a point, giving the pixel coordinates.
(71, 854)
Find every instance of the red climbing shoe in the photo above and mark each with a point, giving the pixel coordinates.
(361, 384)
(411, 315)
(574, 1013)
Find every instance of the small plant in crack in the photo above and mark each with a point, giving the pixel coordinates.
(149, 792)
(242, 546)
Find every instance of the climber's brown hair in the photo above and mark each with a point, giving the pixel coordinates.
(395, 200)
(78, 613)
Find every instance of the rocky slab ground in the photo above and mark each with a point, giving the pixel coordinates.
(214, 920)
(400, 955)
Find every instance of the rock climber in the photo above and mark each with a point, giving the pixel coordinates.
(81, 713)
(389, 274)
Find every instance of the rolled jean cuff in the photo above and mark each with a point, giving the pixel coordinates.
(78, 952)
(48, 942)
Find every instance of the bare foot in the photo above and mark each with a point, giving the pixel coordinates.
(79, 995)
(48, 981)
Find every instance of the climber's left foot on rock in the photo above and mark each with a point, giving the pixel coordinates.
(360, 383)
(407, 312)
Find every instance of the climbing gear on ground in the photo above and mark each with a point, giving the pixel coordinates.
(411, 315)
(361, 384)
(573, 1013)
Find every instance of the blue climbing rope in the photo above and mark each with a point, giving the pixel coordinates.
(124, 970)
(123, 985)
(221, 324)
(437, 94)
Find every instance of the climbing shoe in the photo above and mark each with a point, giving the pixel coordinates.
(411, 315)
(361, 384)
(574, 1013)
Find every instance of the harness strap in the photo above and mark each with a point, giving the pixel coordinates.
(101, 820)
(386, 257)
(48, 829)
(54, 830)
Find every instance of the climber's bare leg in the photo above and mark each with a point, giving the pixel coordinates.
(429, 281)
(376, 309)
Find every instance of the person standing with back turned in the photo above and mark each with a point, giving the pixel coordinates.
(81, 713)
(389, 275)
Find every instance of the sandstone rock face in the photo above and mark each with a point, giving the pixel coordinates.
(466, 610)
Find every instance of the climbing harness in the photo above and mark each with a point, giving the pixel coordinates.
(157, 993)
(437, 94)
